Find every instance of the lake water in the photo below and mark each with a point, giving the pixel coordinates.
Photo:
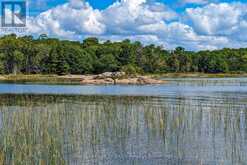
(186, 121)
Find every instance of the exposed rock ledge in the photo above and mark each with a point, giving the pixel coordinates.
(119, 78)
(2, 78)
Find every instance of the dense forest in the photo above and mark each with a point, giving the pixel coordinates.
(53, 56)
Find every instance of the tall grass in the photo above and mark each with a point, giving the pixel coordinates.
(49, 79)
(52, 129)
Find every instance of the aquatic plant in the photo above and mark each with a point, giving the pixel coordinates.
(59, 129)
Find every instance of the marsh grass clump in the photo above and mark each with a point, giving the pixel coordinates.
(27, 138)
(38, 78)
(48, 129)
(60, 129)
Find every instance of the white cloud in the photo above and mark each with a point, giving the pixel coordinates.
(195, 1)
(221, 20)
(68, 20)
(79, 18)
(211, 26)
(126, 16)
(77, 3)
(217, 18)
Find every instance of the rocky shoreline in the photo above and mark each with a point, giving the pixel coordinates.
(2, 77)
(109, 78)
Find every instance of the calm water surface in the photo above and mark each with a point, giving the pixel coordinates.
(187, 121)
(175, 87)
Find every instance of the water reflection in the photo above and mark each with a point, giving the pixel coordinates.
(48, 129)
(193, 87)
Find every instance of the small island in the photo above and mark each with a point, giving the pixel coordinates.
(109, 78)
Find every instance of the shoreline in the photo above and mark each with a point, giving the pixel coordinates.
(199, 75)
(92, 79)
(81, 79)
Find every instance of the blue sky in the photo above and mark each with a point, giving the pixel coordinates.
(193, 24)
(177, 5)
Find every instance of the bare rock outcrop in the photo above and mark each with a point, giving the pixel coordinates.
(97, 81)
(141, 80)
(118, 78)
(2, 78)
(113, 75)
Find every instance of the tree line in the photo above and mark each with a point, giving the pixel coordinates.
(45, 55)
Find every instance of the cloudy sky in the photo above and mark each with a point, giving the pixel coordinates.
(193, 24)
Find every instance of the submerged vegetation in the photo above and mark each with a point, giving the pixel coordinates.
(56, 129)
(45, 55)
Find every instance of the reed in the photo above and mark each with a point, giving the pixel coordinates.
(58, 129)
(38, 78)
